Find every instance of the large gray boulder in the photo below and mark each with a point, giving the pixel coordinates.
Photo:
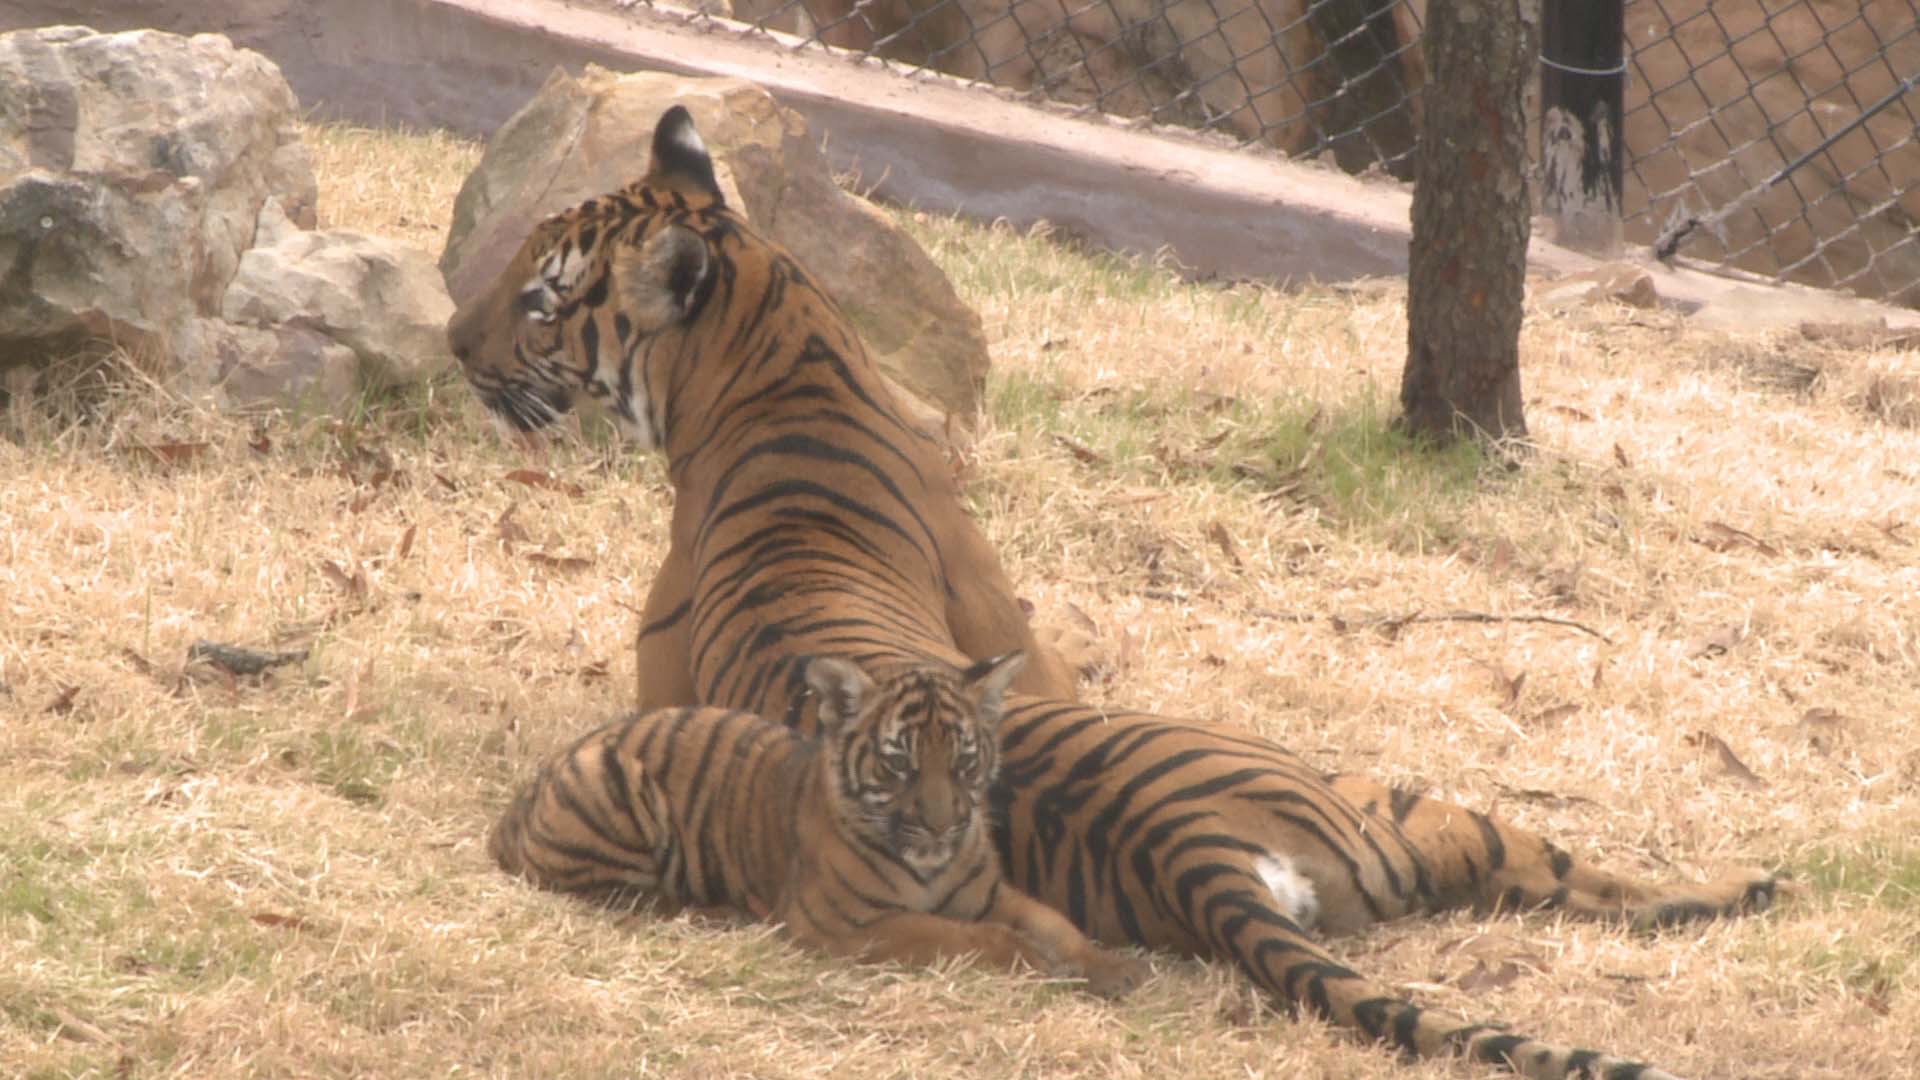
(583, 137)
(155, 198)
(132, 170)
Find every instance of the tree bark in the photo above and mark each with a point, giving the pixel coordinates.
(1467, 266)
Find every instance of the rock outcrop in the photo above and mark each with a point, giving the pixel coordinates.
(139, 172)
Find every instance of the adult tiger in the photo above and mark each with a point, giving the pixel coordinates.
(867, 841)
(812, 519)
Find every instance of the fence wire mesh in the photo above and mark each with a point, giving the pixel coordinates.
(1785, 132)
(1304, 76)
(1723, 102)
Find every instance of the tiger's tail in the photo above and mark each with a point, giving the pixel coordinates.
(1251, 905)
(1243, 921)
(589, 824)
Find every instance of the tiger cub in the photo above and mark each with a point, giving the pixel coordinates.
(868, 841)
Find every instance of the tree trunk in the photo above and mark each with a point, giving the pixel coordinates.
(1467, 272)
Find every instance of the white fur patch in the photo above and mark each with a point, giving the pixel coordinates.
(564, 267)
(639, 430)
(1290, 888)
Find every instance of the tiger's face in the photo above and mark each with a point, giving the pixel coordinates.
(583, 307)
(914, 755)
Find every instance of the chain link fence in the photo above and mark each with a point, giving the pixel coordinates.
(1307, 77)
(1779, 138)
(1776, 136)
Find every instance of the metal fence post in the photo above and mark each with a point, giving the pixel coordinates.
(1582, 88)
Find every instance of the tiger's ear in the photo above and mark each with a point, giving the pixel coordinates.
(680, 156)
(658, 282)
(987, 683)
(842, 689)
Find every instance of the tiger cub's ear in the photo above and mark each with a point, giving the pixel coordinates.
(680, 157)
(987, 681)
(658, 282)
(842, 689)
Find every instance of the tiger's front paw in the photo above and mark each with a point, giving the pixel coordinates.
(1114, 974)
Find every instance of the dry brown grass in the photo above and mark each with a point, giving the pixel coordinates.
(283, 876)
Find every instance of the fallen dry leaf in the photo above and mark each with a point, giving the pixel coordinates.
(1084, 620)
(567, 563)
(62, 702)
(1479, 979)
(1715, 643)
(1508, 685)
(1728, 760)
(510, 531)
(534, 478)
(170, 453)
(353, 712)
(1878, 998)
(1556, 713)
(1570, 412)
(1720, 536)
(1825, 729)
(279, 921)
(406, 543)
(1081, 451)
(1217, 532)
(353, 585)
(1549, 798)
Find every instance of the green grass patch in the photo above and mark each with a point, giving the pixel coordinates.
(1884, 874)
(358, 766)
(1345, 459)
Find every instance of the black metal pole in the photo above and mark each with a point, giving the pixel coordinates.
(1583, 83)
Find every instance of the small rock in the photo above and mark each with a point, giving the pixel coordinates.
(1622, 283)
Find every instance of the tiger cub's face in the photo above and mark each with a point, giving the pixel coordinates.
(592, 290)
(912, 756)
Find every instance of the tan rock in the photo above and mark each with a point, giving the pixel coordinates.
(132, 168)
(1619, 282)
(382, 301)
(274, 366)
(583, 137)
